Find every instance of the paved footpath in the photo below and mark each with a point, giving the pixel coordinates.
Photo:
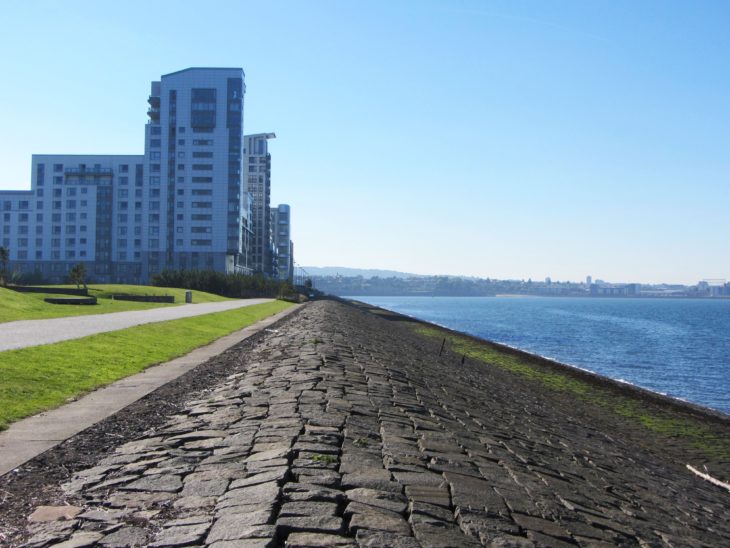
(345, 429)
(24, 333)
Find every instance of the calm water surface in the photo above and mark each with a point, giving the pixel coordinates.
(676, 347)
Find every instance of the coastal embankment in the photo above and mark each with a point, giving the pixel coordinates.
(346, 424)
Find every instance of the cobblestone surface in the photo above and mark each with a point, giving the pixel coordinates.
(346, 429)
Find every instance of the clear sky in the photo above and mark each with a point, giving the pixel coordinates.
(497, 139)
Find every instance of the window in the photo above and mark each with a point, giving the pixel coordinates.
(155, 193)
(70, 217)
(154, 231)
(39, 242)
(153, 243)
(200, 217)
(70, 254)
(155, 130)
(70, 229)
(154, 205)
(57, 168)
(155, 168)
(39, 205)
(181, 154)
(181, 167)
(122, 231)
(84, 203)
(202, 167)
(71, 204)
(122, 242)
(201, 230)
(57, 205)
(155, 143)
(39, 217)
(23, 217)
(154, 155)
(203, 205)
(123, 206)
(179, 243)
(181, 142)
(154, 218)
(122, 256)
(181, 130)
(82, 241)
(180, 205)
(203, 109)
(199, 154)
(124, 168)
(39, 193)
(22, 242)
(203, 142)
(154, 180)
(180, 191)
(23, 204)
(122, 193)
(56, 242)
(71, 191)
(82, 228)
(202, 179)
(200, 242)
(122, 217)
(179, 230)
(58, 180)
(84, 190)
(57, 192)
(123, 180)
(202, 192)
(23, 229)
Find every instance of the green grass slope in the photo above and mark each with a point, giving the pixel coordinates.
(30, 306)
(41, 377)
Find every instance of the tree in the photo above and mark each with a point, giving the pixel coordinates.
(308, 283)
(4, 258)
(77, 275)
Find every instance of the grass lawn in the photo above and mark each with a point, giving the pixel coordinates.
(30, 306)
(42, 377)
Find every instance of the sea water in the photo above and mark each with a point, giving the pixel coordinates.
(677, 347)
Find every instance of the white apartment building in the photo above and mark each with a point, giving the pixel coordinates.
(258, 185)
(181, 205)
(281, 231)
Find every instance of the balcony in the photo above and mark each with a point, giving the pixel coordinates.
(154, 114)
(88, 172)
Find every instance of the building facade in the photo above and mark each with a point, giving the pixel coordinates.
(284, 253)
(258, 185)
(181, 205)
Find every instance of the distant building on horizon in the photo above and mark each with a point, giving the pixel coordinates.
(183, 204)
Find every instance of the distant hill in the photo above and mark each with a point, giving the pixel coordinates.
(353, 272)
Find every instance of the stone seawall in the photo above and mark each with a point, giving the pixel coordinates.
(349, 426)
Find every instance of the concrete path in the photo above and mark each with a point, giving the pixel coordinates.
(24, 333)
(30, 437)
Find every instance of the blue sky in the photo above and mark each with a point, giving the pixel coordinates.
(501, 139)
